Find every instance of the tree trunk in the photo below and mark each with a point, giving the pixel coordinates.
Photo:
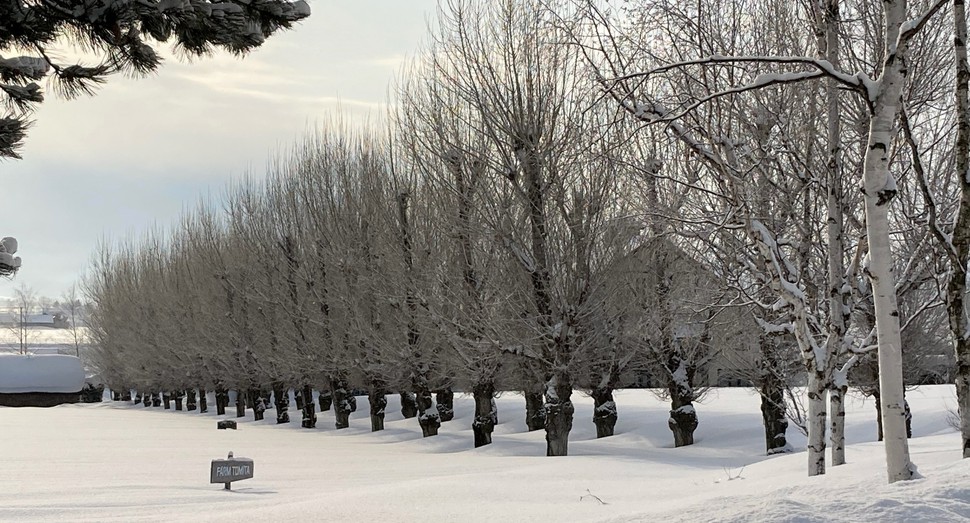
(156, 400)
(240, 403)
(179, 396)
(342, 403)
(559, 414)
(535, 412)
(485, 413)
(325, 399)
(816, 423)
(774, 418)
(203, 401)
(167, 400)
(682, 422)
(137, 399)
(683, 417)
(191, 403)
(445, 403)
(957, 287)
(772, 390)
(308, 408)
(879, 434)
(126, 395)
(427, 413)
(298, 398)
(222, 400)
(879, 188)
(604, 411)
(281, 397)
(838, 290)
(259, 405)
(909, 419)
(409, 406)
(837, 408)
(377, 397)
(962, 382)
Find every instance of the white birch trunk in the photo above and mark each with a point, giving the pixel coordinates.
(817, 387)
(887, 326)
(879, 189)
(837, 413)
(838, 318)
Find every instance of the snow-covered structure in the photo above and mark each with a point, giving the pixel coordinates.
(40, 380)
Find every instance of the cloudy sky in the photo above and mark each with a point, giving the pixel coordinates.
(133, 156)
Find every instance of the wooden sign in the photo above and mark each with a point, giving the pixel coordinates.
(229, 470)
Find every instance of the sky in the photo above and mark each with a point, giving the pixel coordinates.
(142, 150)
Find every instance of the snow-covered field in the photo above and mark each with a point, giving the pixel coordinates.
(119, 462)
(42, 340)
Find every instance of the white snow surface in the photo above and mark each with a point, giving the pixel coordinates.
(40, 373)
(40, 339)
(120, 462)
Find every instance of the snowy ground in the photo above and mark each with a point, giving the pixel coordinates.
(42, 340)
(117, 462)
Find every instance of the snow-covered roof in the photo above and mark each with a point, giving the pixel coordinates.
(40, 373)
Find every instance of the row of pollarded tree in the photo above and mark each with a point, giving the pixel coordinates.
(561, 194)
(341, 271)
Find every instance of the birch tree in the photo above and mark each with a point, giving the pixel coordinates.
(959, 246)
(882, 95)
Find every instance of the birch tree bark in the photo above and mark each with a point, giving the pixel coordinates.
(957, 287)
(882, 99)
(827, 19)
(879, 188)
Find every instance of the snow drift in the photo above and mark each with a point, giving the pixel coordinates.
(117, 461)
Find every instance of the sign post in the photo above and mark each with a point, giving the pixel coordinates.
(229, 470)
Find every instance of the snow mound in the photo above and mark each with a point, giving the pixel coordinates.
(40, 373)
